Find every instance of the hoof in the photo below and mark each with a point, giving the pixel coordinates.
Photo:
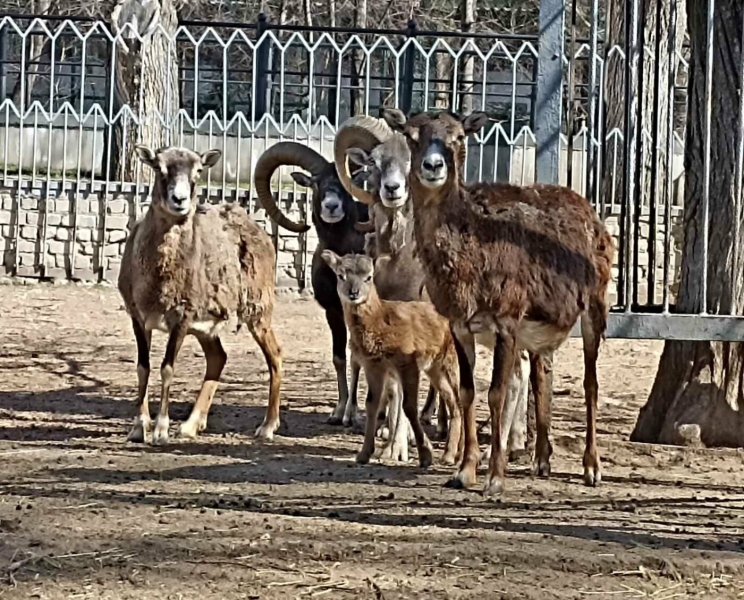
(541, 468)
(160, 433)
(448, 459)
(592, 477)
(494, 487)
(425, 458)
(394, 452)
(462, 480)
(334, 420)
(266, 430)
(188, 431)
(362, 458)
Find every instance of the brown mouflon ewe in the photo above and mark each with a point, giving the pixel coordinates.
(397, 339)
(518, 265)
(192, 270)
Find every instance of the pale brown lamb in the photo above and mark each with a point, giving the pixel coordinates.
(518, 264)
(191, 269)
(397, 339)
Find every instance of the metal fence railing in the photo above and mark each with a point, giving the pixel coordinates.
(599, 109)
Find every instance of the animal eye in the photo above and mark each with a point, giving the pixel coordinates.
(368, 278)
(461, 137)
(342, 277)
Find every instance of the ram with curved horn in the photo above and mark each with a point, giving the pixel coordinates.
(334, 214)
(368, 142)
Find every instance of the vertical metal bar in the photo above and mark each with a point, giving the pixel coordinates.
(707, 151)
(3, 61)
(549, 90)
(631, 91)
(19, 216)
(656, 149)
(669, 200)
(571, 92)
(592, 113)
(262, 67)
(406, 93)
(739, 177)
(640, 165)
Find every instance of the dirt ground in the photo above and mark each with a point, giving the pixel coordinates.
(83, 514)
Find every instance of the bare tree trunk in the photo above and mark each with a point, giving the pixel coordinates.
(357, 60)
(467, 18)
(698, 390)
(442, 73)
(147, 82)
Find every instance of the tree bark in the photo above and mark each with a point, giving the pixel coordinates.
(37, 47)
(357, 62)
(467, 18)
(144, 84)
(442, 73)
(698, 390)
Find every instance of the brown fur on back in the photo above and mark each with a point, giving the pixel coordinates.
(216, 264)
(539, 252)
(398, 332)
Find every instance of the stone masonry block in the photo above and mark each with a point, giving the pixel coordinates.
(84, 235)
(26, 246)
(62, 206)
(86, 221)
(112, 250)
(29, 203)
(55, 247)
(83, 262)
(117, 206)
(120, 222)
(63, 234)
(54, 219)
(29, 232)
(5, 217)
(116, 236)
(7, 202)
(32, 218)
(26, 259)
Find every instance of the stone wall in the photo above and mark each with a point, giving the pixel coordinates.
(88, 246)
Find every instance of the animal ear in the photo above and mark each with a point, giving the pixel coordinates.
(303, 179)
(359, 157)
(394, 117)
(210, 158)
(147, 155)
(474, 123)
(332, 259)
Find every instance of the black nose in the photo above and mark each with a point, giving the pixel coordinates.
(178, 200)
(353, 294)
(392, 187)
(433, 164)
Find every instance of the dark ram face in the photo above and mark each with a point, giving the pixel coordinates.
(331, 202)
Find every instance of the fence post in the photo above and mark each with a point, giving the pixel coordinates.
(263, 57)
(3, 60)
(409, 64)
(549, 90)
(549, 97)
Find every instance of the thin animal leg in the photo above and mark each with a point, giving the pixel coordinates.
(410, 383)
(465, 347)
(335, 319)
(175, 341)
(504, 356)
(376, 385)
(264, 336)
(428, 411)
(443, 382)
(591, 334)
(216, 358)
(515, 406)
(141, 426)
(396, 448)
(543, 448)
(443, 416)
(350, 412)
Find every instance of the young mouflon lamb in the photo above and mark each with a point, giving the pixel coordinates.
(191, 270)
(397, 339)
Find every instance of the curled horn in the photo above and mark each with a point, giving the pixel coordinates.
(358, 132)
(284, 153)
